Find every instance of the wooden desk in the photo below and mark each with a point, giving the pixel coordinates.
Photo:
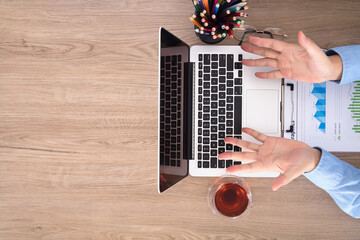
(78, 125)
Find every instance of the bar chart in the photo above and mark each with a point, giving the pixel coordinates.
(319, 91)
(354, 107)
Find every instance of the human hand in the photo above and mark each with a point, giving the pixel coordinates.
(305, 63)
(289, 157)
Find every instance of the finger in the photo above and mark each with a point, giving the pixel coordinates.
(285, 178)
(311, 48)
(255, 134)
(242, 143)
(248, 167)
(241, 156)
(262, 62)
(268, 43)
(269, 75)
(266, 52)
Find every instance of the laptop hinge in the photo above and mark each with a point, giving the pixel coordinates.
(291, 127)
(189, 109)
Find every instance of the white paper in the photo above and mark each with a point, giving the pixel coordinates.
(328, 115)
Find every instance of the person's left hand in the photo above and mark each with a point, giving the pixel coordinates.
(289, 157)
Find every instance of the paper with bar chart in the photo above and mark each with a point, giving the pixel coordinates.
(328, 115)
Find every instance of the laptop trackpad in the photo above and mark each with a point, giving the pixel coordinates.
(262, 110)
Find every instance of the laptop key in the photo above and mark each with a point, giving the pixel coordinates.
(221, 110)
(221, 119)
(206, 69)
(238, 90)
(214, 113)
(214, 105)
(229, 107)
(206, 59)
(222, 87)
(214, 81)
(230, 75)
(229, 123)
(206, 164)
(240, 73)
(206, 100)
(229, 163)
(214, 73)
(238, 65)
(222, 79)
(229, 131)
(214, 57)
(230, 62)
(206, 140)
(221, 150)
(237, 149)
(213, 145)
(206, 148)
(213, 153)
(230, 91)
(206, 77)
(240, 57)
(221, 143)
(214, 162)
(222, 71)
(206, 85)
(237, 162)
(222, 60)
(222, 103)
(200, 57)
(230, 83)
(206, 109)
(206, 133)
(214, 65)
(214, 89)
(206, 93)
(229, 99)
(199, 156)
(221, 163)
(206, 125)
(206, 156)
(221, 134)
(213, 120)
(229, 115)
(238, 81)
(237, 115)
(206, 116)
(213, 129)
(222, 95)
(213, 136)
(199, 164)
(200, 65)
(214, 97)
(228, 147)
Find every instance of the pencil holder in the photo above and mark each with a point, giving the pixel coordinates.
(214, 19)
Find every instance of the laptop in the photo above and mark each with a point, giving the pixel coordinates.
(205, 95)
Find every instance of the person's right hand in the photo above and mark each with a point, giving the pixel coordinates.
(289, 157)
(305, 63)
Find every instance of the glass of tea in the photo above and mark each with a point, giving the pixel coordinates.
(230, 197)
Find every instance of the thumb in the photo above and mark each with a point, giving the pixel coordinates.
(285, 178)
(312, 49)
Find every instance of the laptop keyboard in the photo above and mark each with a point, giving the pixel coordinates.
(219, 107)
(170, 111)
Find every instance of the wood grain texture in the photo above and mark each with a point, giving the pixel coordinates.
(78, 125)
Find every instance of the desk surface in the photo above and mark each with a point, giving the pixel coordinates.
(78, 125)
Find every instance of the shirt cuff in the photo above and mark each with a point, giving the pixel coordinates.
(328, 172)
(350, 56)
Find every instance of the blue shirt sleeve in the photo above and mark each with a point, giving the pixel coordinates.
(340, 180)
(350, 56)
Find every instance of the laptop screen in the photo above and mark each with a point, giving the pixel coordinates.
(174, 101)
